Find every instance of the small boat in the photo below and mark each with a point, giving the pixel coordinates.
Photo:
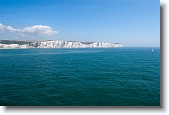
(152, 50)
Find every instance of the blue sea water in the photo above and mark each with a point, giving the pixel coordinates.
(80, 77)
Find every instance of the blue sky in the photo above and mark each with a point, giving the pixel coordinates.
(130, 22)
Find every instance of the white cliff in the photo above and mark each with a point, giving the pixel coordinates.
(61, 44)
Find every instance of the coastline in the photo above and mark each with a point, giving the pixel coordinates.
(56, 44)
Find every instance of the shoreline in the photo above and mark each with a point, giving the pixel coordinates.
(56, 44)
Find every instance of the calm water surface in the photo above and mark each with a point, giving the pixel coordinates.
(85, 77)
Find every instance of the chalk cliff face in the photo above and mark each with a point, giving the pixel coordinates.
(62, 44)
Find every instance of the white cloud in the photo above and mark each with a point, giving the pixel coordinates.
(11, 29)
(36, 30)
(2, 27)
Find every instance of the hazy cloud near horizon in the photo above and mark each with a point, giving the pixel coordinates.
(31, 31)
(2, 27)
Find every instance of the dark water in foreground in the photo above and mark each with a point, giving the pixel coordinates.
(85, 77)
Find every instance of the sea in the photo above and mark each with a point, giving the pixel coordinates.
(80, 77)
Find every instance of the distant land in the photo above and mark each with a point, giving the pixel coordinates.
(13, 44)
